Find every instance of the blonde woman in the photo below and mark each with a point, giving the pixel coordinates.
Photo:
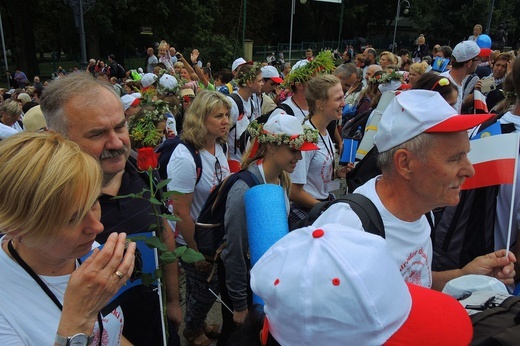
(50, 217)
(205, 128)
(313, 175)
(417, 69)
(270, 162)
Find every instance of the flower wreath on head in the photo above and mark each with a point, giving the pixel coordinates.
(322, 63)
(256, 130)
(249, 76)
(386, 77)
(143, 129)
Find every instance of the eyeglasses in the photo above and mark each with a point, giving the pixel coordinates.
(441, 82)
(218, 170)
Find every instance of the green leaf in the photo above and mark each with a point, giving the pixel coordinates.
(180, 251)
(168, 194)
(170, 217)
(158, 273)
(155, 242)
(132, 195)
(162, 184)
(168, 257)
(137, 238)
(152, 226)
(192, 256)
(155, 201)
(147, 279)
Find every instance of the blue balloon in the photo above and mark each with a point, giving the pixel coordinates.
(484, 41)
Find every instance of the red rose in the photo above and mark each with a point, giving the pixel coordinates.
(146, 158)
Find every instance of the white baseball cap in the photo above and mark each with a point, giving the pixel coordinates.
(416, 111)
(337, 285)
(148, 79)
(129, 101)
(465, 51)
(288, 125)
(168, 82)
(237, 63)
(272, 73)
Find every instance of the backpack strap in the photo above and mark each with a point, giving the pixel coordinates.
(166, 150)
(288, 109)
(238, 100)
(361, 205)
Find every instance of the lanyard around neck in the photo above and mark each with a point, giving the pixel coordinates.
(330, 150)
(43, 286)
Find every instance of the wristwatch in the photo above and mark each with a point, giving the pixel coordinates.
(79, 339)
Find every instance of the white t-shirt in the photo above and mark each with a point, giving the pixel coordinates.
(299, 113)
(182, 172)
(29, 317)
(241, 126)
(6, 131)
(409, 241)
(315, 168)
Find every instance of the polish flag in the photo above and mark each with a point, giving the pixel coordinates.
(494, 159)
(479, 102)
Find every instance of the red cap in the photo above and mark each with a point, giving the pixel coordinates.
(452, 322)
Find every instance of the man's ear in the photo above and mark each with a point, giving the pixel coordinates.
(403, 163)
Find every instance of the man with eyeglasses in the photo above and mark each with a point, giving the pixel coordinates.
(465, 59)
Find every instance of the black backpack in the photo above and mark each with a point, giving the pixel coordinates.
(121, 72)
(499, 325)
(209, 227)
(238, 100)
(352, 125)
(165, 151)
(361, 205)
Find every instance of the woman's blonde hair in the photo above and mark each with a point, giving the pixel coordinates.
(260, 154)
(11, 107)
(419, 67)
(46, 184)
(194, 130)
(318, 90)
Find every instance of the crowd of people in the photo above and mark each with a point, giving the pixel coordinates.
(71, 143)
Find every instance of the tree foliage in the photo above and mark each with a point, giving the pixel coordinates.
(215, 26)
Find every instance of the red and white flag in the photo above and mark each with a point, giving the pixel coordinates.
(494, 159)
(479, 102)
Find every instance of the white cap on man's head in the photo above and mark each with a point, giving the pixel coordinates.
(337, 285)
(272, 73)
(148, 79)
(129, 101)
(465, 51)
(238, 62)
(416, 111)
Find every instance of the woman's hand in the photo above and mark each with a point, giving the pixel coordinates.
(94, 283)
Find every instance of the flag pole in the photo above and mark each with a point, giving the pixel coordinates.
(512, 209)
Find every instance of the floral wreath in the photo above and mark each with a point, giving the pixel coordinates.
(143, 130)
(249, 76)
(386, 77)
(164, 90)
(256, 130)
(322, 63)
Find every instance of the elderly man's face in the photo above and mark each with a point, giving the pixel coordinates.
(100, 131)
(437, 180)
